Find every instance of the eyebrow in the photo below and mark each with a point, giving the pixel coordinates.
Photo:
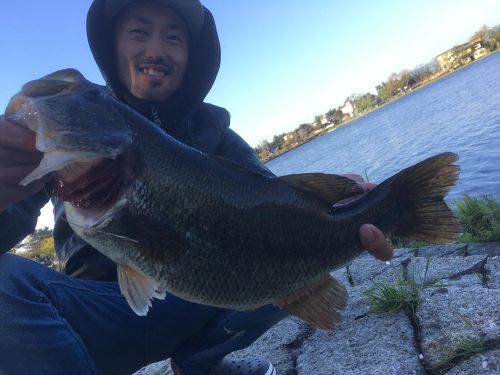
(141, 19)
(173, 25)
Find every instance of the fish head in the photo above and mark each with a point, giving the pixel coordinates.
(79, 129)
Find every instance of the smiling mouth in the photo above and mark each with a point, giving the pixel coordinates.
(153, 72)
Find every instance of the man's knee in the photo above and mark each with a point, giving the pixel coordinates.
(11, 263)
(16, 272)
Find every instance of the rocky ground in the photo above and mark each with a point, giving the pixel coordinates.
(455, 328)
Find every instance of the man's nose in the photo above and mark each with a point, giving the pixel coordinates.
(155, 47)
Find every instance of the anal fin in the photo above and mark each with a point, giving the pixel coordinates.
(318, 304)
(138, 289)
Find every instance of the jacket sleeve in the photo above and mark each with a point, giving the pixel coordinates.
(234, 148)
(19, 220)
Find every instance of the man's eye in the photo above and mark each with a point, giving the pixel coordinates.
(174, 39)
(138, 32)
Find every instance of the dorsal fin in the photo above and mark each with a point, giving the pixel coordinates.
(239, 167)
(330, 187)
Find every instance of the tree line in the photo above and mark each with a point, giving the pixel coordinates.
(39, 247)
(396, 85)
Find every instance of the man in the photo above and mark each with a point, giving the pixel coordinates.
(161, 58)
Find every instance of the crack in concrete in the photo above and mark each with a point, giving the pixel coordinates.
(417, 328)
(294, 347)
(349, 275)
(466, 253)
(484, 274)
(415, 323)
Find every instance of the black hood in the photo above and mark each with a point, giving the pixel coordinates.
(200, 74)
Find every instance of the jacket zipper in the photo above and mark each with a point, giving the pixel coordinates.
(156, 119)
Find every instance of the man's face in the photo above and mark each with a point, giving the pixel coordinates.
(152, 50)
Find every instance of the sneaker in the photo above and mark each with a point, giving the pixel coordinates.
(253, 366)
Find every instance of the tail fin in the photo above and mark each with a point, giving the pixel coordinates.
(424, 185)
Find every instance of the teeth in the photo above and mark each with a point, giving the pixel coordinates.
(153, 72)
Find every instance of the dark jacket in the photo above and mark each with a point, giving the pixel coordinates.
(185, 116)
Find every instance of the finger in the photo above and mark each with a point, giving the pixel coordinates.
(355, 177)
(367, 186)
(12, 194)
(374, 241)
(13, 175)
(11, 157)
(16, 136)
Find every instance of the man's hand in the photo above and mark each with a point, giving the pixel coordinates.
(18, 157)
(371, 237)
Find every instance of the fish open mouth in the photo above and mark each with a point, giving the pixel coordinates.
(90, 184)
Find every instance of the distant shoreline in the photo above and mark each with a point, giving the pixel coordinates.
(416, 88)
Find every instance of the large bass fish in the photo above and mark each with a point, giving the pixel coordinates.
(206, 229)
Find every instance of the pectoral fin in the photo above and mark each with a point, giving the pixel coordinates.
(318, 304)
(138, 289)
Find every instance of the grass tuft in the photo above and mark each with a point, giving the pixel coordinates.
(403, 294)
(480, 218)
(468, 347)
(462, 350)
(400, 243)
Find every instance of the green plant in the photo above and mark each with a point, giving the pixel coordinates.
(383, 297)
(400, 243)
(470, 345)
(480, 219)
(462, 350)
(403, 294)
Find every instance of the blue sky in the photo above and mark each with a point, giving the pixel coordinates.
(283, 61)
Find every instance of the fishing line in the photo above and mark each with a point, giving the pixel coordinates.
(101, 231)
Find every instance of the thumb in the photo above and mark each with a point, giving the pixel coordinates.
(374, 241)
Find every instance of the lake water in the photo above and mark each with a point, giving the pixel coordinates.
(458, 113)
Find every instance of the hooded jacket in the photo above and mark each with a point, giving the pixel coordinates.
(185, 116)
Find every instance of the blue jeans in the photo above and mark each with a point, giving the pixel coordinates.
(51, 323)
